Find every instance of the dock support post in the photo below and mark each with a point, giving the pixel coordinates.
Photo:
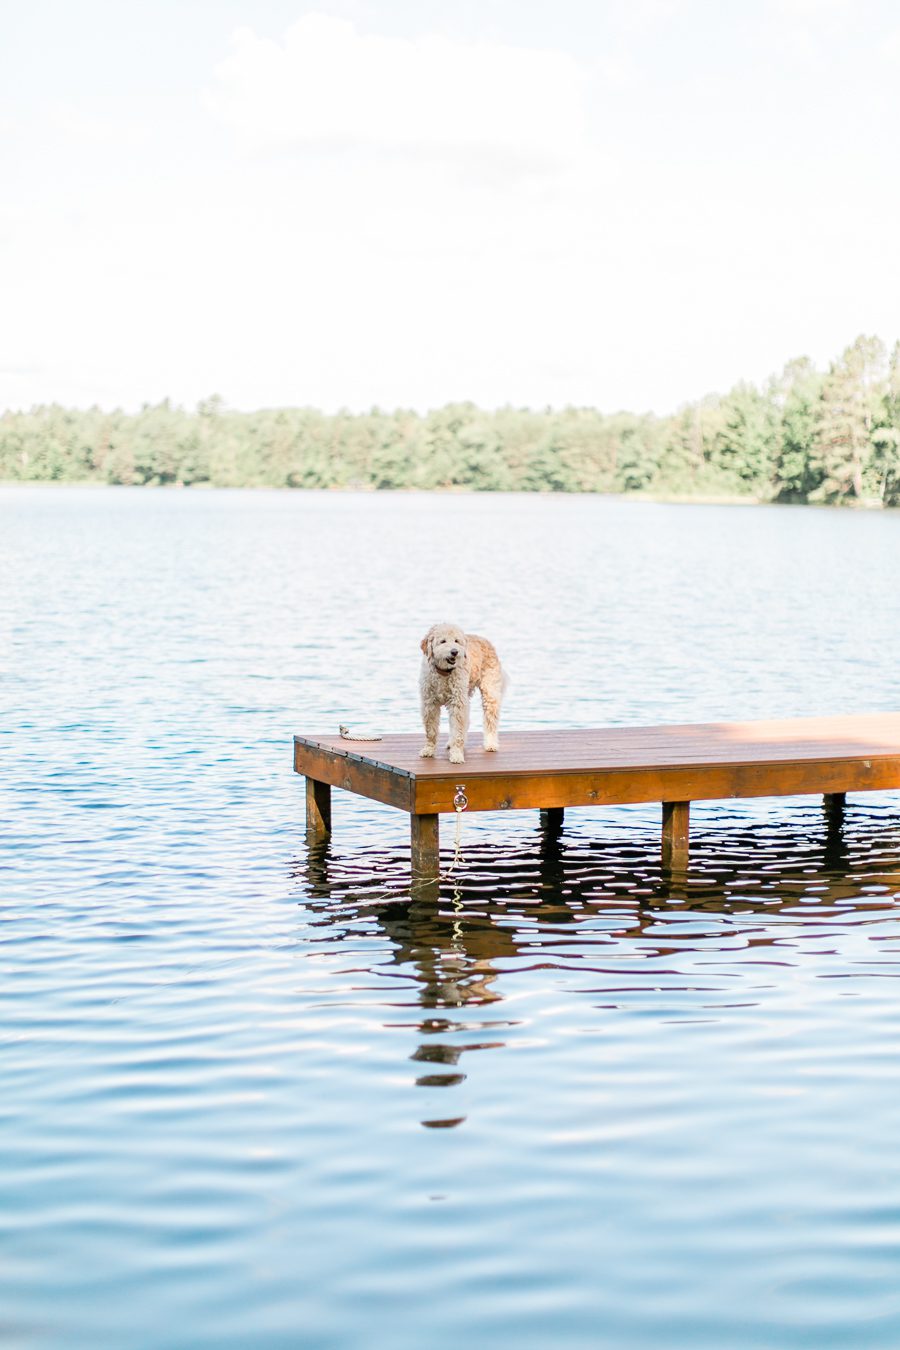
(552, 818)
(318, 810)
(425, 851)
(676, 817)
(835, 855)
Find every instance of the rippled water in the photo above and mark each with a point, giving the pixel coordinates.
(253, 1096)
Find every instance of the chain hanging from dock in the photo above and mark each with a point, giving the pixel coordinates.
(460, 802)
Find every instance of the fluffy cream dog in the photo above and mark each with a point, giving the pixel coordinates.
(454, 665)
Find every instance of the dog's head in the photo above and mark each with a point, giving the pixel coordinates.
(444, 646)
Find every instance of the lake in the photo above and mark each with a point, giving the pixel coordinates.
(256, 1097)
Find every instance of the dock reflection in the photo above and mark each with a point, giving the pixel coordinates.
(606, 910)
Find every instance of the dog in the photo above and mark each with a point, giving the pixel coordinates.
(454, 665)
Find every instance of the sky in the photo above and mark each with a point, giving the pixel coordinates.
(403, 203)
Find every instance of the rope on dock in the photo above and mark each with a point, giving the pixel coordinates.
(347, 735)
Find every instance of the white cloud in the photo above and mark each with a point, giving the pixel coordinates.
(809, 28)
(813, 10)
(328, 85)
(642, 16)
(891, 45)
(67, 120)
(421, 219)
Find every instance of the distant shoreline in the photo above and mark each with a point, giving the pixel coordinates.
(661, 498)
(821, 437)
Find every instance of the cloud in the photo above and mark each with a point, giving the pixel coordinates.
(814, 10)
(74, 124)
(642, 16)
(327, 85)
(362, 218)
(812, 25)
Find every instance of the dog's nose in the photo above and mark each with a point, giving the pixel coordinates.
(454, 651)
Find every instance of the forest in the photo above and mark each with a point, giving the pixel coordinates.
(806, 435)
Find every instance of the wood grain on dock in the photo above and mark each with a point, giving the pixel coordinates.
(554, 769)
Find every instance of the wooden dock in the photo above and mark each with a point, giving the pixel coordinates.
(552, 770)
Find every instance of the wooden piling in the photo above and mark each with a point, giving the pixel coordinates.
(318, 809)
(676, 821)
(425, 850)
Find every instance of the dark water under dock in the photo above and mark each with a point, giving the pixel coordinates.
(254, 1096)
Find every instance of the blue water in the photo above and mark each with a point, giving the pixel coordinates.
(253, 1096)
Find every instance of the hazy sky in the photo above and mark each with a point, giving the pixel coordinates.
(622, 203)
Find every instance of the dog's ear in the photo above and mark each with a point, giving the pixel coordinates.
(425, 644)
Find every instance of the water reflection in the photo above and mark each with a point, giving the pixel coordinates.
(605, 916)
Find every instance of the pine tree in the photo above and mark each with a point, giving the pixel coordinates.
(796, 394)
(745, 444)
(886, 436)
(847, 415)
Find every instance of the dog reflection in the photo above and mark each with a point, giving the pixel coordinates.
(453, 957)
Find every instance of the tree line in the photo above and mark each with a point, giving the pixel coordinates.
(806, 435)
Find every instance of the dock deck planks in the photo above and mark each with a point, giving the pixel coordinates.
(554, 769)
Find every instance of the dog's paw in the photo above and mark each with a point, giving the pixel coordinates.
(427, 752)
(491, 742)
(456, 755)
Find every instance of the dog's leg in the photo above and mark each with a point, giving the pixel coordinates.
(431, 716)
(458, 709)
(491, 695)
